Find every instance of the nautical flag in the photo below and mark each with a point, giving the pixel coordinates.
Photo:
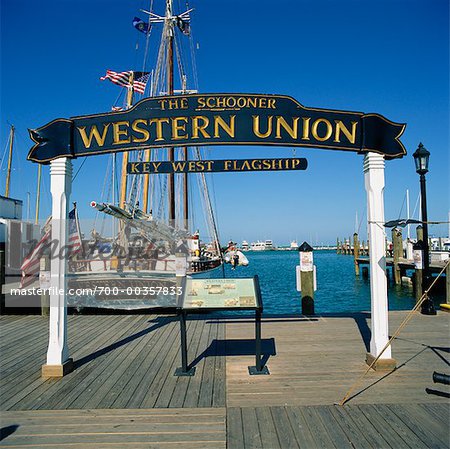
(119, 78)
(123, 79)
(142, 26)
(31, 264)
(75, 243)
(183, 26)
(140, 81)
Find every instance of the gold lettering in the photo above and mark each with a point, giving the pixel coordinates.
(210, 102)
(226, 165)
(209, 164)
(200, 166)
(245, 165)
(196, 127)
(134, 168)
(142, 131)
(228, 128)
(271, 103)
(156, 166)
(351, 136)
(191, 166)
(163, 104)
(159, 128)
(179, 127)
(87, 141)
(201, 102)
(256, 129)
(252, 102)
(266, 164)
(262, 102)
(256, 164)
(146, 167)
(292, 131)
(327, 134)
(184, 103)
(117, 132)
(220, 102)
(295, 162)
(178, 166)
(306, 121)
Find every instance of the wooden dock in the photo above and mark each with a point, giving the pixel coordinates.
(123, 393)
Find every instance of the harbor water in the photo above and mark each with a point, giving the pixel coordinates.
(339, 290)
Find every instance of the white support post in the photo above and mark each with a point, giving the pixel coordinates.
(58, 361)
(374, 182)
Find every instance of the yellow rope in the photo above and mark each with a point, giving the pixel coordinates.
(395, 335)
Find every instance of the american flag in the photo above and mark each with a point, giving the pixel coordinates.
(31, 264)
(74, 244)
(123, 79)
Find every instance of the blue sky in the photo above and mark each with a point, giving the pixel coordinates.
(390, 57)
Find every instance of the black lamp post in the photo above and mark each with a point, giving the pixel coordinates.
(421, 158)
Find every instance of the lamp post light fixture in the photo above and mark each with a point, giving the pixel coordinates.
(421, 159)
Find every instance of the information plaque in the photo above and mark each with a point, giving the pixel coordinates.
(210, 295)
(222, 294)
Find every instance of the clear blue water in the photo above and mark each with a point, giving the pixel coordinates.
(338, 289)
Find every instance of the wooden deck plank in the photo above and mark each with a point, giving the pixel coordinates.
(196, 429)
(47, 391)
(181, 388)
(29, 379)
(171, 382)
(400, 428)
(193, 394)
(207, 382)
(235, 432)
(147, 384)
(428, 430)
(19, 373)
(219, 389)
(144, 362)
(301, 428)
(103, 382)
(252, 436)
(268, 431)
(285, 433)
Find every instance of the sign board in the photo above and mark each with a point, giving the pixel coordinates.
(418, 259)
(215, 166)
(221, 294)
(216, 119)
(306, 260)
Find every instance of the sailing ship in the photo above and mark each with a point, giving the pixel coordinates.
(151, 214)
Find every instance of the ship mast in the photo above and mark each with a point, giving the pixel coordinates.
(170, 21)
(169, 26)
(123, 179)
(8, 173)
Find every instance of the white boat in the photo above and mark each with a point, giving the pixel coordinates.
(267, 245)
(294, 245)
(245, 246)
(258, 246)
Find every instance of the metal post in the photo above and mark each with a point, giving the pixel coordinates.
(427, 306)
(259, 368)
(184, 369)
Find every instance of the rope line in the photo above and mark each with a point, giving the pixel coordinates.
(394, 336)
